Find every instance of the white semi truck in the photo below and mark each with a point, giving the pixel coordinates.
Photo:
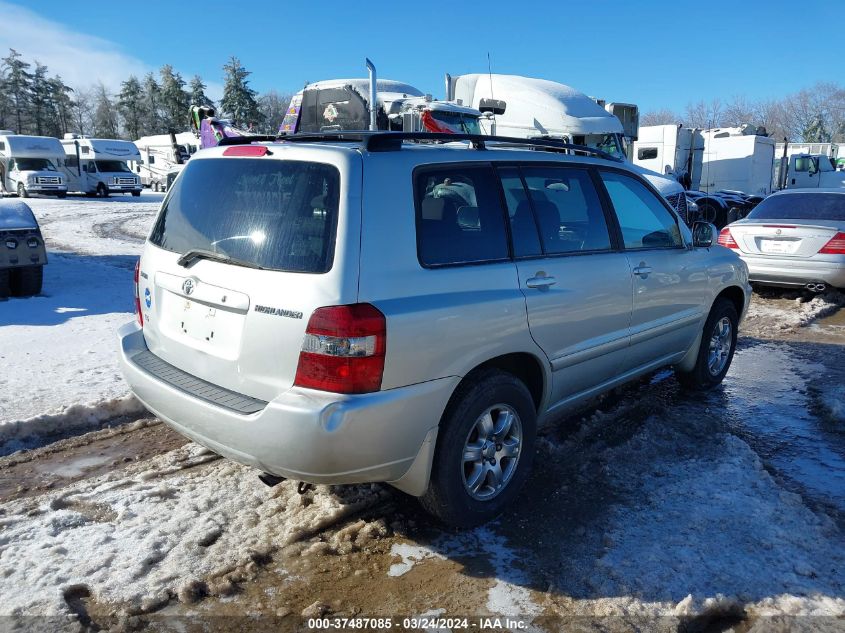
(524, 107)
(29, 165)
(99, 167)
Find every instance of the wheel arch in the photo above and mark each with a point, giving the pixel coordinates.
(735, 295)
(524, 365)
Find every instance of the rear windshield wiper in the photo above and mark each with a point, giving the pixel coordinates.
(195, 254)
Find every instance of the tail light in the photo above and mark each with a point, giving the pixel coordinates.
(836, 245)
(343, 350)
(138, 312)
(727, 240)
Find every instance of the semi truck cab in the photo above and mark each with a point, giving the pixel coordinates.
(810, 171)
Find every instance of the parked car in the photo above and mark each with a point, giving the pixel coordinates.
(795, 237)
(362, 308)
(22, 251)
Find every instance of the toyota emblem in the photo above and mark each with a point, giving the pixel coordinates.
(188, 286)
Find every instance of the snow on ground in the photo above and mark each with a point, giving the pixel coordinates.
(58, 349)
(774, 312)
(184, 524)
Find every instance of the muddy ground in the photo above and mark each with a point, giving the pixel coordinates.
(653, 509)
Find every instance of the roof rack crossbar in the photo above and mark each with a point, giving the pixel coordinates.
(384, 141)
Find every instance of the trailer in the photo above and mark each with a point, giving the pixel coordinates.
(29, 165)
(99, 167)
(161, 158)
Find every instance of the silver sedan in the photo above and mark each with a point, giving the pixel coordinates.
(793, 238)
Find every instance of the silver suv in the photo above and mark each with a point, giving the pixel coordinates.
(393, 307)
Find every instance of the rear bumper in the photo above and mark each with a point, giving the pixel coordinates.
(304, 434)
(794, 272)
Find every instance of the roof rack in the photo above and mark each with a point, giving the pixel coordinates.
(384, 141)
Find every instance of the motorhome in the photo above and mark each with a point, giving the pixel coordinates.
(100, 167)
(162, 156)
(29, 165)
(525, 107)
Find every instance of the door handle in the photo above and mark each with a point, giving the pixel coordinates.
(540, 281)
(642, 270)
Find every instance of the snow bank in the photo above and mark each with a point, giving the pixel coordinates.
(770, 314)
(181, 525)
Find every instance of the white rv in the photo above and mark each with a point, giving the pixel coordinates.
(100, 167)
(524, 107)
(161, 158)
(29, 165)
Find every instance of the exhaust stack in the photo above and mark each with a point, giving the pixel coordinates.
(448, 93)
(373, 94)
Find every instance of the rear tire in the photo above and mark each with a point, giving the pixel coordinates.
(136, 194)
(716, 352)
(485, 449)
(26, 281)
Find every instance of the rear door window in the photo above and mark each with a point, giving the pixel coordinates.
(279, 215)
(644, 220)
(459, 216)
(567, 209)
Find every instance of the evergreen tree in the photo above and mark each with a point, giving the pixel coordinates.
(105, 121)
(152, 106)
(197, 92)
(5, 102)
(238, 98)
(62, 105)
(174, 99)
(40, 99)
(131, 106)
(18, 84)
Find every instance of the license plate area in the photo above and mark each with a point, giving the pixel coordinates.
(198, 320)
(778, 247)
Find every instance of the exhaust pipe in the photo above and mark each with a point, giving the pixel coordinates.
(816, 287)
(448, 93)
(373, 94)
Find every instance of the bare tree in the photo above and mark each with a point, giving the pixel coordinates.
(82, 111)
(664, 116)
(738, 111)
(273, 107)
(704, 115)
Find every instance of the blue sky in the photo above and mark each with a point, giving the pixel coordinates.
(653, 53)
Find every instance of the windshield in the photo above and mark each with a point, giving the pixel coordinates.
(111, 165)
(801, 206)
(608, 143)
(457, 121)
(35, 164)
(274, 214)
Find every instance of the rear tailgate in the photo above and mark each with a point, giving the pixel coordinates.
(295, 213)
(781, 238)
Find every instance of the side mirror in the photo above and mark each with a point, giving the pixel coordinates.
(704, 234)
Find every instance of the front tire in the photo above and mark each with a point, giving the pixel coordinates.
(5, 290)
(136, 194)
(22, 192)
(102, 191)
(716, 352)
(485, 449)
(26, 281)
(62, 194)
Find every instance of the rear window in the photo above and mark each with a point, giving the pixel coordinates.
(801, 206)
(280, 215)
